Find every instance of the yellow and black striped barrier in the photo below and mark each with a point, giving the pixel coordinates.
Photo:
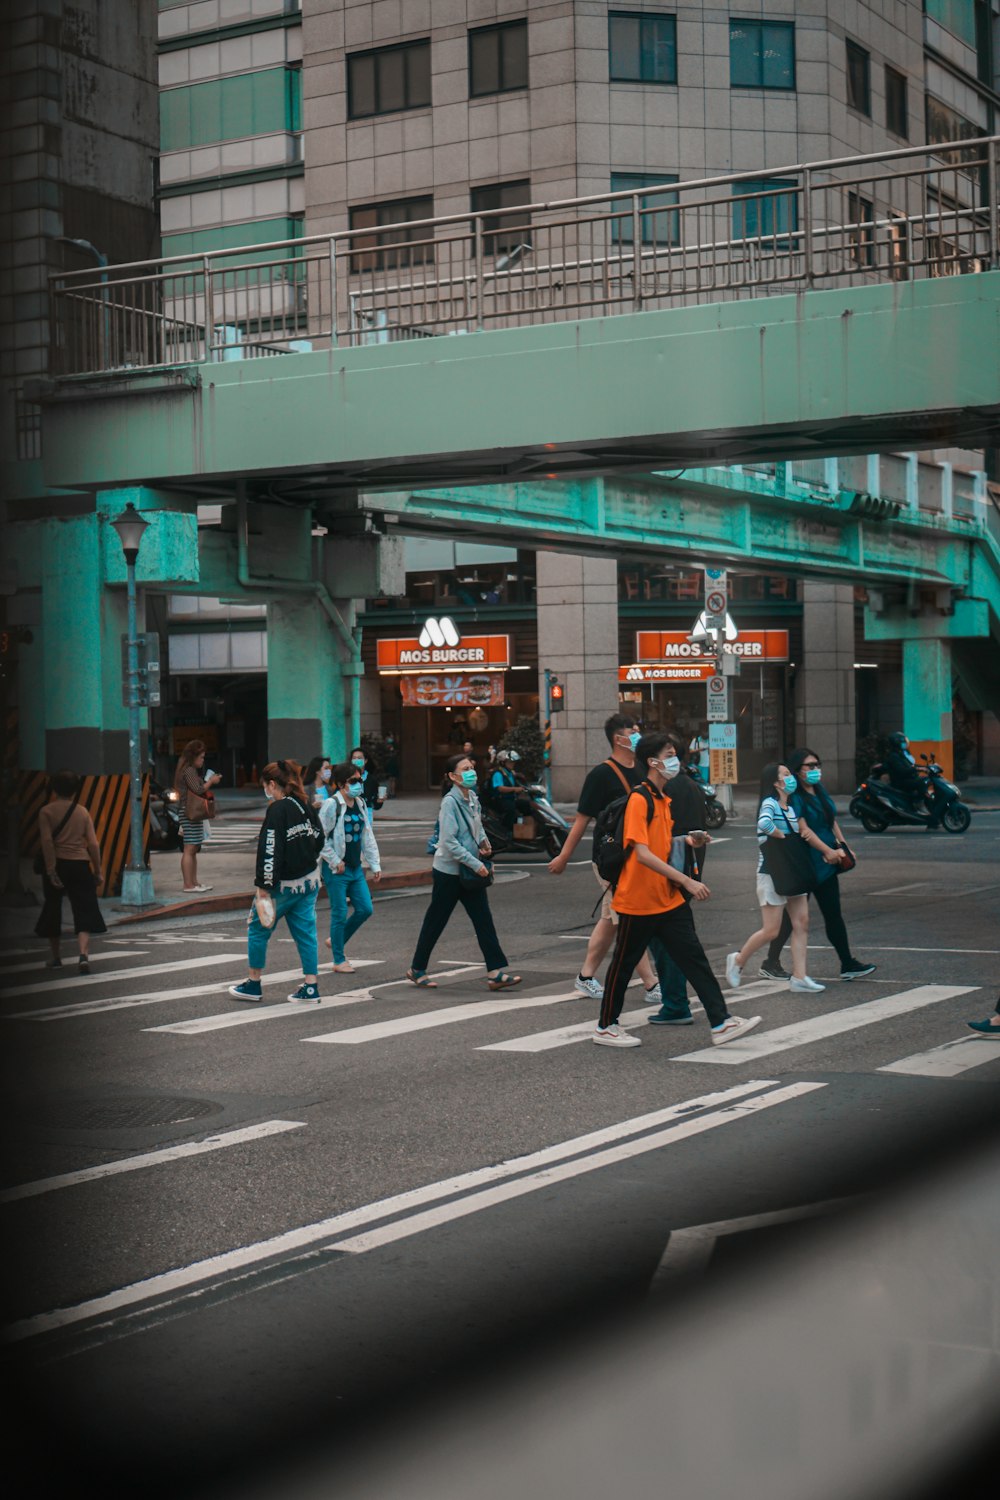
(548, 742)
(108, 800)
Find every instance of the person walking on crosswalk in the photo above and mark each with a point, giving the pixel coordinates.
(287, 880)
(777, 820)
(350, 846)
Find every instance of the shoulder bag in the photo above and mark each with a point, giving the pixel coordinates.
(199, 809)
(471, 880)
(39, 862)
(788, 862)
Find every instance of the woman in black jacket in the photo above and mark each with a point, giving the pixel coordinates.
(287, 880)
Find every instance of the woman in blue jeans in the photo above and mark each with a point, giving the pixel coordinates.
(350, 846)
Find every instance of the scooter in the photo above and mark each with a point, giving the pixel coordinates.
(715, 813)
(877, 805)
(542, 831)
(164, 817)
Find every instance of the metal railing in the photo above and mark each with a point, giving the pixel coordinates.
(919, 212)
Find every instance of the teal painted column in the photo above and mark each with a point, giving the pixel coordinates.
(927, 693)
(306, 704)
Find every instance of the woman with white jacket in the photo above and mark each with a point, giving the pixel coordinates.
(350, 846)
(462, 844)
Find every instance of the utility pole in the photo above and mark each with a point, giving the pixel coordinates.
(137, 881)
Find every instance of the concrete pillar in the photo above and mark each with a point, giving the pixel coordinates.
(306, 709)
(927, 691)
(825, 718)
(578, 640)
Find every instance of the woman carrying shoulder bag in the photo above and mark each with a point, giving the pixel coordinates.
(461, 874)
(776, 821)
(813, 805)
(71, 866)
(197, 803)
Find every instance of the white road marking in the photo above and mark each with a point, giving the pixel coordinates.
(323, 1232)
(69, 963)
(905, 948)
(565, 1036)
(402, 1025)
(894, 890)
(972, 890)
(144, 969)
(152, 1158)
(820, 1028)
(127, 1002)
(948, 1061)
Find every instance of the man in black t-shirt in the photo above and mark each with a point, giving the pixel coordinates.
(606, 782)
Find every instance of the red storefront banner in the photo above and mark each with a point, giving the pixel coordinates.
(487, 652)
(673, 645)
(452, 690)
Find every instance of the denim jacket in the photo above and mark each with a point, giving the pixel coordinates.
(331, 815)
(460, 833)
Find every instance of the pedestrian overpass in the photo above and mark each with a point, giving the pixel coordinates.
(531, 374)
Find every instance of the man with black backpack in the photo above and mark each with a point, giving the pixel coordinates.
(649, 899)
(603, 788)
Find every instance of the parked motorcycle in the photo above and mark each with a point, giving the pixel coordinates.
(715, 813)
(164, 817)
(540, 831)
(878, 805)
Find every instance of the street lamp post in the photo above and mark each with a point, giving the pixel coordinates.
(137, 881)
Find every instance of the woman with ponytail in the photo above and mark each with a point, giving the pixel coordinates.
(287, 880)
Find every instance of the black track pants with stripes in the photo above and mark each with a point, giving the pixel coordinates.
(675, 930)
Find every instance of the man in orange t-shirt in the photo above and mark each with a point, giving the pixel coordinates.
(649, 900)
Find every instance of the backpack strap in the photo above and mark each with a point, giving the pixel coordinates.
(619, 773)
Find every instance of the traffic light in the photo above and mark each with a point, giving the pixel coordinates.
(557, 700)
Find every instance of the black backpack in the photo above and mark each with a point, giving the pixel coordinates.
(609, 843)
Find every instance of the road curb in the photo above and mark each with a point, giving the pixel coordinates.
(398, 880)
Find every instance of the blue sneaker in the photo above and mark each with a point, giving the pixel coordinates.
(248, 990)
(306, 992)
(665, 1018)
(985, 1028)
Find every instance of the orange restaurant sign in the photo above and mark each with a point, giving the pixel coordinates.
(487, 652)
(668, 655)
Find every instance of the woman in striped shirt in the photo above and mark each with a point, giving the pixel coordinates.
(776, 820)
(189, 781)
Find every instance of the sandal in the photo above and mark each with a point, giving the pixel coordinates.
(421, 979)
(503, 980)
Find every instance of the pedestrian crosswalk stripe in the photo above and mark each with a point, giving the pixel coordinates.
(102, 976)
(294, 1241)
(402, 1025)
(68, 964)
(154, 997)
(565, 1036)
(151, 1159)
(947, 1061)
(822, 1027)
(243, 1013)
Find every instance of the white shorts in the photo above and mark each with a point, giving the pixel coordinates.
(766, 894)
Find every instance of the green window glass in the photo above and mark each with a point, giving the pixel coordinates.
(229, 236)
(226, 109)
(657, 228)
(763, 217)
(956, 16)
(762, 54)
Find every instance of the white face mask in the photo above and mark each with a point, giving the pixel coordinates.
(269, 795)
(326, 773)
(671, 766)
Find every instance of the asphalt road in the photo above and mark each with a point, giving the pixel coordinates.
(395, 1188)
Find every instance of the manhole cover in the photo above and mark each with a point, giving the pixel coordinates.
(125, 1114)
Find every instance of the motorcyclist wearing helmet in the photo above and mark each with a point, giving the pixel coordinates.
(903, 774)
(507, 788)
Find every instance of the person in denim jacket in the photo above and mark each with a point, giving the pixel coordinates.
(350, 846)
(462, 842)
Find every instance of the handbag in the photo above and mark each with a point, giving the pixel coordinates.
(199, 809)
(850, 862)
(38, 864)
(789, 864)
(471, 880)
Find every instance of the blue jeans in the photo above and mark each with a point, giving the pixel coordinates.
(351, 886)
(299, 910)
(673, 985)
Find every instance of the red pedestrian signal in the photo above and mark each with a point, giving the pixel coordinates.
(557, 697)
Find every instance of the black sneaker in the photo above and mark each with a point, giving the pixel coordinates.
(772, 970)
(857, 970)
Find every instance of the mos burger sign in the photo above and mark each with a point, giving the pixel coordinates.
(422, 654)
(676, 645)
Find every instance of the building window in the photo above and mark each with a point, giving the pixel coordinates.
(657, 228)
(946, 124)
(498, 59)
(501, 236)
(229, 109)
(762, 54)
(642, 47)
(765, 208)
(956, 16)
(859, 79)
(389, 79)
(895, 103)
(860, 217)
(396, 213)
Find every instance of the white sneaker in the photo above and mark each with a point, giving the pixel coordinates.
(732, 1028)
(806, 986)
(615, 1036)
(592, 987)
(733, 971)
(655, 995)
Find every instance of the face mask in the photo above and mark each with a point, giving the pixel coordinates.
(268, 795)
(634, 739)
(359, 763)
(325, 773)
(813, 775)
(469, 778)
(671, 765)
(351, 789)
(789, 783)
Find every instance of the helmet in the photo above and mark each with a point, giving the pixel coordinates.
(898, 741)
(510, 755)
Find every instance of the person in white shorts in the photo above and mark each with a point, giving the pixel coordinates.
(775, 820)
